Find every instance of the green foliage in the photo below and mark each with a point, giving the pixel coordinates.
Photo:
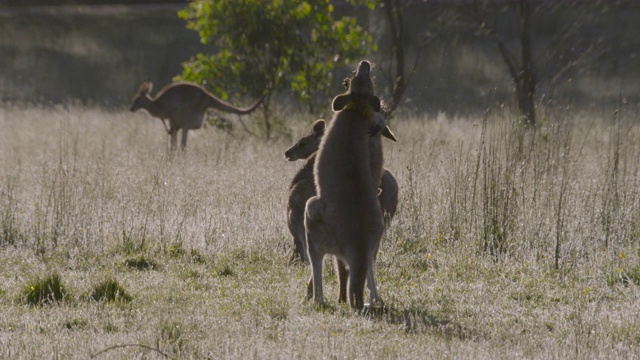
(45, 291)
(110, 290)
(278, 45)
(371, 4)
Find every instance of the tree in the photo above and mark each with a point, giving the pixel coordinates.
(521, 66)
(394, 14)
(399, 73)
(264, 47)
(562, 54)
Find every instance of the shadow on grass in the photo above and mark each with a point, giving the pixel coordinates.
(421, 321)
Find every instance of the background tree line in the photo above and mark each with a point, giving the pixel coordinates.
(431, 56)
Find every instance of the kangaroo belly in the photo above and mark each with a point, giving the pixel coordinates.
(353, 214)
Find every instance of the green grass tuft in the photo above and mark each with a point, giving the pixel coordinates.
(197, 257)
(111, 291)
(224, 270)
(45, 291)
(75, 324)
(176, 249)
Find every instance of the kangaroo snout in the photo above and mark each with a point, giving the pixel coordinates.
(364, 68)
(290, 154)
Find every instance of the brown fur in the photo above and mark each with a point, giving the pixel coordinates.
(360, 94)
(344, 218)
(303, 187)
(184, 105)
(308, 144)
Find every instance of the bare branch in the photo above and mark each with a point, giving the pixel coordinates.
(484, 29)
(425, 44)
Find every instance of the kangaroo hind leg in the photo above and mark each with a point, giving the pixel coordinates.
(343, 277)
(314, 234)
(357, 278)
(185, 133)
(374, 296)
(174, 138)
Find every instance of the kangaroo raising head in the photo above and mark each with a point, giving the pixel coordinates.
(360, 94)
(386, 131)
(307, 144)
(141, 95)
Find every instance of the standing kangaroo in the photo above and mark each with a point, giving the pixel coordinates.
(303, 187)
(344, 218)
(184, 105)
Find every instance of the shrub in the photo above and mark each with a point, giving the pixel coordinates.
(110, 290)
(45, 291)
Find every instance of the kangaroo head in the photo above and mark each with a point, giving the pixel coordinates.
(360, 94)
(142, 96)
(384, 131)
(307, 144)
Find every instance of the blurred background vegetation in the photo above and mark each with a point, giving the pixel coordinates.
(584, 53)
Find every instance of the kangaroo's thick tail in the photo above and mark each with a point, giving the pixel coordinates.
(226, 107)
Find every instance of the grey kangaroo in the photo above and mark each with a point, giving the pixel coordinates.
(183, 104)
(344, 219)
(302, 188)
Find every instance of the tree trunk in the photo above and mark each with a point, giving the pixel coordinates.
(396, 24)
(526, 80)
(520, 67)
(525, 90)
(266, 111)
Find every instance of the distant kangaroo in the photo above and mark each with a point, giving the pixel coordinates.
(345, 218)
(184, 105)
(303, 187)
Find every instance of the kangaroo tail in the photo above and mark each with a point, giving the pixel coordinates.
(226, 107)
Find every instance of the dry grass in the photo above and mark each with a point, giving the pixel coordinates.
(507, 243)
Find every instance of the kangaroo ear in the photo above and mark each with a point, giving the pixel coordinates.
(341, 101)
(386, 132)
(145, 88)
(318, 127)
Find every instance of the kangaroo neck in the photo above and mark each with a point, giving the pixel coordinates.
(154, 108)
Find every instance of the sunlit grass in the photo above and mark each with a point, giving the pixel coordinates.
(198, 241)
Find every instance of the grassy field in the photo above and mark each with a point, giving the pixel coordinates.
(508, 243)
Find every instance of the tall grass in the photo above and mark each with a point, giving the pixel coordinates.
(509, 242)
